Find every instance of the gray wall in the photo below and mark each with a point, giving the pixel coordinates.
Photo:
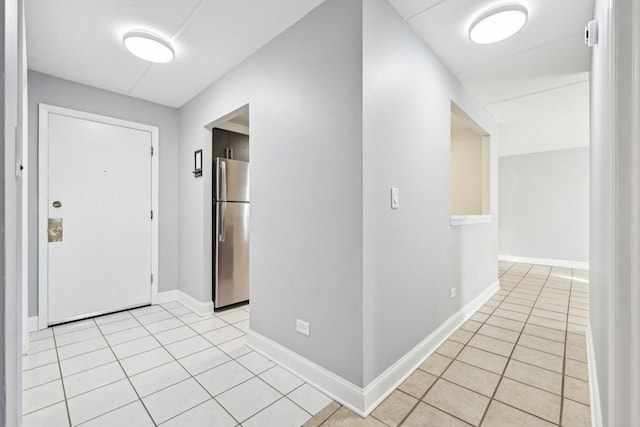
(412, 256)
(544, 205)
(332, 129)
(304, 92)
(63, 93)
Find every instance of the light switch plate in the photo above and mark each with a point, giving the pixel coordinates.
(395, 198)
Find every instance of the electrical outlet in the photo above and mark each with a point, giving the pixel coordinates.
(302, 327)
(453, 292)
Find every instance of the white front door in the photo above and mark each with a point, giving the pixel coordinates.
(100, 188)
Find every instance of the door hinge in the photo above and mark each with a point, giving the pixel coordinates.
(152, 214)
(152, 150)
(151, 277)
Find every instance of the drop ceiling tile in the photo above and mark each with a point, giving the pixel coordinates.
(541, 104)
(557, 64)
(445, 28)
(81, 40)
(220, 36)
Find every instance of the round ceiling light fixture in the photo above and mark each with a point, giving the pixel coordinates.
(148, 46)
(498, 23)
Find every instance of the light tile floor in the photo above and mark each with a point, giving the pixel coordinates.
(159, 365)
(519, 361)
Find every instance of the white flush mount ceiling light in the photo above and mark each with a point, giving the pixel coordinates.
(498, 23)
(148, 46)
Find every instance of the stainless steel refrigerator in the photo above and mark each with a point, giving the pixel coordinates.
(231, 232)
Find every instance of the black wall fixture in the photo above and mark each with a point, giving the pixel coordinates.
(197, 159)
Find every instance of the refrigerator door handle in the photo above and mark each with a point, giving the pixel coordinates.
(223, 221)
(223, 197)
(223, 181)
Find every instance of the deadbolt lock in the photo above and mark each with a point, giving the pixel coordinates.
(57, 204)
(55, 230)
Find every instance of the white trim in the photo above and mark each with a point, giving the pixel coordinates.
(32, 324)
(389, 380)
(594, 391)
(334, 386)
(364, 400)
(24, 176)
(545, 261)
(201, 308)
(43, 184)
(234, 127)
(469, 219)
(155, 206)
(167, 296)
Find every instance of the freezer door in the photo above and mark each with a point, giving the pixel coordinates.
(231, 276)
(232, 180)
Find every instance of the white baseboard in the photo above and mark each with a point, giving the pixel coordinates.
(364, 400)
(167, 296)
(594, 391)
(33, 326)
(202, 308)
(389, 380)
(545, 261)
(334, 386)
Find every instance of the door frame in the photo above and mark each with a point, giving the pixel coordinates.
(44, 110)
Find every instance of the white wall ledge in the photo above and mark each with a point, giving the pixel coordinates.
(469, 219)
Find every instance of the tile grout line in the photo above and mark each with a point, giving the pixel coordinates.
(64, 391)
(524, 324)
(182, 366)
(128, 379)
(161, 346)
(420, 399)
(529, 385)
(152, 334)
(506, 366)
(118, 361)
(254, 375)
(232, 359)
(439, 377)
(564, 355)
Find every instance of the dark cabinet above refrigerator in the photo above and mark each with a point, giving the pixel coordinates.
(230, 145)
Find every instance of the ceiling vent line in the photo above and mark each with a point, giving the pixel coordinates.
(526, 50)
(186, 21)
(424, 10)
(538, 92)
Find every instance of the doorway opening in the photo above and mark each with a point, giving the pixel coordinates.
(230, 209)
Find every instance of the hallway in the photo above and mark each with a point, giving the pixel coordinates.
(520, 360)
